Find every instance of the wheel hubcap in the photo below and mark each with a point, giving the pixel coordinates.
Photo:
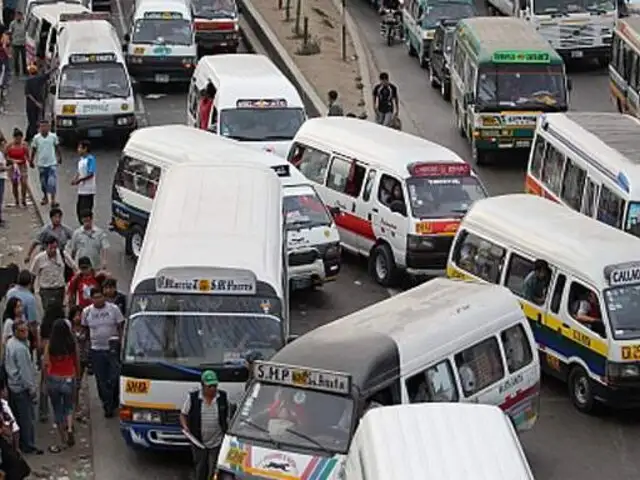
(581, 390)
(136, 244)
(381, 267)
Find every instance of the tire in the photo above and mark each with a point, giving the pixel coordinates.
(581, 390)
(432, 78)
(423, 60)
(382, 266)
(133, 241)
(445, 91)
(410, 50)
(480, 157)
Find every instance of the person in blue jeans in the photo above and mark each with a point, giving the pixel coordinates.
(45, 154)
(104, 322)
(62, 363)
(21, 380)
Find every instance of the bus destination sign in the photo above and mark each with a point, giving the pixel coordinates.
(302, 377)
(521, 56)
(223, 283)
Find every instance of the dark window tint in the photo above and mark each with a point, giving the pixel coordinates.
(436, 384)
(479, 366)
(610, 208)
(573, 185)
(138, 176)
(516, 348)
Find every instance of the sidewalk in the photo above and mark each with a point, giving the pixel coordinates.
(325, 70)
(15, 238)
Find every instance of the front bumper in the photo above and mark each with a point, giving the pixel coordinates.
(622, 397)
(95, 126)
(309, 268)
(159, 69)
(427, 262)
(218, 40)
(494, 139)
(578, 53)
(153, 437)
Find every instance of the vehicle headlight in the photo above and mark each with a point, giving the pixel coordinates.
(146, 416)
(136, 59)
(124, 121)
(418, 242)
(66, 122)
(188, 62)
(333, 251)
(623, 370)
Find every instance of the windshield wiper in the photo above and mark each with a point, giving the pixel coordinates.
(459, 210)
(262, 429)
(106, 92)
(241, 138)
(277, 137)
(309, 439)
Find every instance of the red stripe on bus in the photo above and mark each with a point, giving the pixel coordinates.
(355, 224)
(519, 396)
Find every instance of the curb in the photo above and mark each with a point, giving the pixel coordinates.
(274, 49)
(42, 217)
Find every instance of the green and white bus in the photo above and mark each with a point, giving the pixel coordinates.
(504, 75)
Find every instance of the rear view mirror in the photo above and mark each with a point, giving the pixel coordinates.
(126, 38)
(334, 211)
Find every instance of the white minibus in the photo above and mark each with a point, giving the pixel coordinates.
(436, 441)
(578, 281)
(254, 102)
(397, 198)
(443, 341)
(91, 94)
(209, 289)
(590, 162)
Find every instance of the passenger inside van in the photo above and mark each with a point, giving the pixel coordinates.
(391, 193)
(536, 282)
(586, 308)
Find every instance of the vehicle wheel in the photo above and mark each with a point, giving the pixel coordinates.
(424, 61)
(382, 265)
(410, 50)
(432, 78)
(133, 242)
(445, 91)
(480, 157)
(581, 390)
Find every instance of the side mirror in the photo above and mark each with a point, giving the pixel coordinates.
(292, 338)
(52, 89)
(398, 207)
(126, 38)
(334, 211)
(569, 84)
(468, 98)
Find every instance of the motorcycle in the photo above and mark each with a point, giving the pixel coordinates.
(390, 26)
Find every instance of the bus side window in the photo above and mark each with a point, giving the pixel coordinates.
(313, 164)
(139, 177)
(345, 176)
(615, 52)
(479, 366)
(610, 208)
(194, 96)
(556, 298)
(633, 79)
(479, 257)
(436, 384)
(522, 281)
(573, 185)
(516, 348)
(589, 198)
(552, 169)
(368, 185)
(537, 157)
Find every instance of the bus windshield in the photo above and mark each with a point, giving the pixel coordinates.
(94, 81)
(443, 197)
(518, 86)
(201, 338)
(254, 124)
(295, 417)
(153, 31)
(450, 10)
(304, 210)
(211, 9)
(563, 7)
(623, 305)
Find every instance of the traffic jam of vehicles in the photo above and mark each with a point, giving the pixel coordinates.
(497, 303)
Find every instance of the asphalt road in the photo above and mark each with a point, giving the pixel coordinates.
(564, 445)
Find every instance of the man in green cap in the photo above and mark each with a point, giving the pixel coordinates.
(205, 418)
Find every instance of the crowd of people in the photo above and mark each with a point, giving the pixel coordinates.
(47, 351)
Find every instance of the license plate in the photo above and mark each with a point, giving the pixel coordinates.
(300, 283)
(94, 132)
(577, 54)
(522, 143)
(162, 78)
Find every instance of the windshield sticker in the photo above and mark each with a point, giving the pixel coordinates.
(262, 103)
(224, 283)
(435, 228)
(163, 15)
(302, 377)
(517, 56)
(93, 58)
(439, 169)
(445, 181)
(624, 276)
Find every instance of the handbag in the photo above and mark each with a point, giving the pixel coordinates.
(396, 124)
(68, 271)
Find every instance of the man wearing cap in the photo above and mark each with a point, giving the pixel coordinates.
(205, 416)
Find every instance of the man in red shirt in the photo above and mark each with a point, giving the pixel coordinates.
(206, 104)
(82, 283)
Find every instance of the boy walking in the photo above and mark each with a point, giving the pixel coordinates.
(85, 179)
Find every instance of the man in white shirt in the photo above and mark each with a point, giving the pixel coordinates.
(85, 179)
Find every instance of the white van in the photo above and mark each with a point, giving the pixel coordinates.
(590, 162)
(582, 305)
(160, 44)
(254, 102)
(443, 341)
(209, 288)
(436, 441)
(42, 29)
(31, 4)
(397, 198)
(91, 93)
